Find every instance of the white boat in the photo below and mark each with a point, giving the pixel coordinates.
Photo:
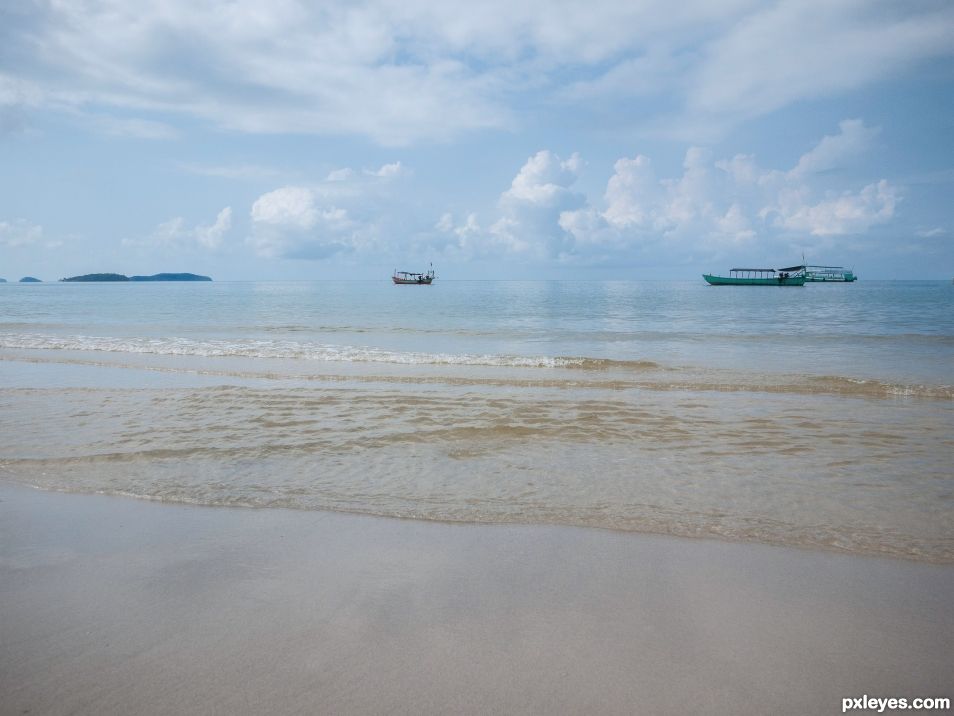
(409, 277)
(820, 274)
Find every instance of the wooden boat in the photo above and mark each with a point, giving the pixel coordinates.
(791, 276)
(820, 274)
(408, 277)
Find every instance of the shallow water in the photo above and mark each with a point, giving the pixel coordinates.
(816, 416)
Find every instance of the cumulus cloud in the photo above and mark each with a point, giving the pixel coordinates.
(341, 214)
(704, 203)
(290, 222)
(419, 70)
(539, 193)
(528, 218)
(177, 234)
(713, 205)
(290, 206)
(389, 171)
(849, 213)
(733, 201)
(210, 237)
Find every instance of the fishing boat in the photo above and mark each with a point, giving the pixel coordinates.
(409, 277)
(791, 276)
(819, 274)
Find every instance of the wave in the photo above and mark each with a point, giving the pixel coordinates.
(299, 351)
(599, 372)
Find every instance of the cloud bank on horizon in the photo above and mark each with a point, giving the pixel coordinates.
(607, 135)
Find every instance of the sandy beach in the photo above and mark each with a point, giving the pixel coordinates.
(118, 606)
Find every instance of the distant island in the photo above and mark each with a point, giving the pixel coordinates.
(99, 277)
(3, 280)
(30, 279)
(171, 277)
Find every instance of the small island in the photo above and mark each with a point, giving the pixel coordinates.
(3, 280)
(101, 277)
(30, 279)
(171, 277)
(98, 277)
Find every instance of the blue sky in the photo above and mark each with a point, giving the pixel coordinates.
(534, 139)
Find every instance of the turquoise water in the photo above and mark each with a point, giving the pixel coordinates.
(895, 331)
(817, 416)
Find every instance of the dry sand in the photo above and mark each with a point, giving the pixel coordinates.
(118, 606)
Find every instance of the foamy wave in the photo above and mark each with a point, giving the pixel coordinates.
(283, 349)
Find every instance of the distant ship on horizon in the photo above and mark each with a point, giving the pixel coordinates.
(409, 277)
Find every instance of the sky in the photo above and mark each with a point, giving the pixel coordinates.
(526, 139)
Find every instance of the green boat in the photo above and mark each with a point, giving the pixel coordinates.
(791, 276)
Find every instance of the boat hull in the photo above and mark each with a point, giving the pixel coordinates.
(417, 282)
(731, 281)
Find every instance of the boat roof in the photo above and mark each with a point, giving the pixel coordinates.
(753, 269)
(793, 268)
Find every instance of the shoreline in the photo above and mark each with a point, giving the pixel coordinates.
(119, 605)
(811, 547)
(860, 476)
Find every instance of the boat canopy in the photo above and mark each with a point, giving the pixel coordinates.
(793, 268)
(755, 269)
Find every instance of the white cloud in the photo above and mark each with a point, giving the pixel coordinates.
(639, 202)
(853, 140)
(19, 233)
(177, 234)
(389, 171)
(804, 49)
(632, 193)
(539, 193)
(741, 168)
(419, 70)
(290, 206)
(543, 180)
(733, 226)
(649, 74)
(210, 237)
(733, 201)
(465, 232)
(529, 218)
(849, 213)
(713, 205)
(343, 213)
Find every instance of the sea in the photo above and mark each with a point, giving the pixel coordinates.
(819, 416)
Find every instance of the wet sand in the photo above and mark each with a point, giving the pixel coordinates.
(119, 606)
